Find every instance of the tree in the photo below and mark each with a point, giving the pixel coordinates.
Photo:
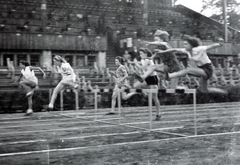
(216, 6)
(214, 9)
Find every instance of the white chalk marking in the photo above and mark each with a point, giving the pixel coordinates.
(90, 136)
(116, 144)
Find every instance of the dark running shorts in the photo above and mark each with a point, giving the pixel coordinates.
(208, 69)
(152, 80)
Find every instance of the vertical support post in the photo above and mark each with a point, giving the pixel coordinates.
(61, 100)
(50, 95)
(194, 109)
(76, 101)
(150, 108)
(44, 14)
(225, 20)
(145, 16)
(95, 104)
(119, 104)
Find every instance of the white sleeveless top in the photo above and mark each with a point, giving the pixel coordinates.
(199, 55)
(148, 62)
(29, 74)
(66, 71)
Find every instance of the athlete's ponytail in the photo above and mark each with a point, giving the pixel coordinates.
(59, 58)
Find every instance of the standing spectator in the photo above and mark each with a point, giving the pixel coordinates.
(11, 69)
(169, 60)
(127, 57)
(135, 57)
(151, 81)
(135, 54)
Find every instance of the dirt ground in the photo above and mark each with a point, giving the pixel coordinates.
(81, 138)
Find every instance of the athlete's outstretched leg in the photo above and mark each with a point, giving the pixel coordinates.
(157, 103)
(113, 102)
(30, 102)
(56, 90)
(153, 68)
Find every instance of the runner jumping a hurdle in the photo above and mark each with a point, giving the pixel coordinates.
(29, 81)
(68, 78)
(150, 81)
(199, 63)
(168, 59)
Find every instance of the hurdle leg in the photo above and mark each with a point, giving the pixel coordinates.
(95, 105)
(61, 100)
(194, 109)
(119, 105)
(49, 95)
(150, 108)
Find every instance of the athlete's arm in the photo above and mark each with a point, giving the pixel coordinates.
(38, 68)
(212, 46)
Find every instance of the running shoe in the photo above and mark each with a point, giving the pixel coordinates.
(29, 112)
(29, 94)
(76, 87)
(49, 109)
(111, 113)
(158, 117)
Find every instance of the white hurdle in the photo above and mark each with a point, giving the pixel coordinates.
(149, 91)
(76, 98)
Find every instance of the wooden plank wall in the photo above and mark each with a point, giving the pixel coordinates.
(52, 42)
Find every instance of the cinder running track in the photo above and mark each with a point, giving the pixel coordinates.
(74, 137)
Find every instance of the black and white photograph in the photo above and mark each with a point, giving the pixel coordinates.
(120, 82)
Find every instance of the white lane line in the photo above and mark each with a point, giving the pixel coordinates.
(75, 128)
(167, 108)
(35, 125)
(23, 142)
(51, 130)
(90, 136)
(40, 116)
(103, 135)
(114, 124)
(14, 118)
(116, 144)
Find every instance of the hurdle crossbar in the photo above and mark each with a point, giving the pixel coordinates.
(76, 98)
(149, 91)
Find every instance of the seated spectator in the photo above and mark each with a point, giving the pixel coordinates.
(135, 57)
(193, 82)
(235, 73)
(219, 70)
(11, 69)
(135, 54)
(127, 57)
(226, 70)
(221, 82)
